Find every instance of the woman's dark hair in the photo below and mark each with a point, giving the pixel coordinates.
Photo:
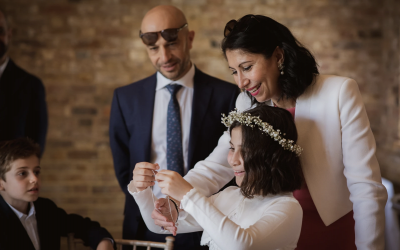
(259, 34)
(270, 169)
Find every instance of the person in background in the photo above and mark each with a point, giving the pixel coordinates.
(23, 109)
(28, 221)
(171, 118)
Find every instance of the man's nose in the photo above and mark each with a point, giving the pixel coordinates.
(165, 54)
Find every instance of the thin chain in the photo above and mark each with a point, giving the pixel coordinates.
(154, 201)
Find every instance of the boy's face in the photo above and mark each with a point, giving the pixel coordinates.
(22, 182)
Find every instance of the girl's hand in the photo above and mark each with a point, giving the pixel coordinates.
(143, 175)
(173, 184)
(162, 215)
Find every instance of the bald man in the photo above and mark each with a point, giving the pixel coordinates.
(23, 110)
(172, 118)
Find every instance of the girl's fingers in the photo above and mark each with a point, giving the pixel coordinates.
(144, 184)
(171, 230)
(167, 172)
(160, 202)
(144, 178)
(144, 171)
(147, 165)
(162, 185)
(161, 177)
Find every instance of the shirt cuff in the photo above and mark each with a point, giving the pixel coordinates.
(187, 197)
(183, 214)
(132, 189)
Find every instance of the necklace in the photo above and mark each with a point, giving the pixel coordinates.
(154, 201)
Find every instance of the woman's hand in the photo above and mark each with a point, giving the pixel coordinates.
(173, 184)
(143, 175)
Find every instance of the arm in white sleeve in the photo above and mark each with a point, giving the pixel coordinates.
(210, 175)
(146, 205)
(362, 169)
(279, 226)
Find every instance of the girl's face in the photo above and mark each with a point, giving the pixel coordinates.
(234, 156)
(256, 74)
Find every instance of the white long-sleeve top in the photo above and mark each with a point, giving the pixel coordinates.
(231, 221)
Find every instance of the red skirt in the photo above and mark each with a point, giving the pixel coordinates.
(315, 235)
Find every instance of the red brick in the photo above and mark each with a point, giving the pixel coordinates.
(82, 154)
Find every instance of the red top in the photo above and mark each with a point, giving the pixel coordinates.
(314, 234)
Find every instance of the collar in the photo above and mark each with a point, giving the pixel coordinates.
(32, 211)
(186, 80)
(4, 65)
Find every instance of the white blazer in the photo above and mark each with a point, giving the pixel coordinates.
(338, 160)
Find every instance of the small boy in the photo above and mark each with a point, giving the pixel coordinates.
(31, 223)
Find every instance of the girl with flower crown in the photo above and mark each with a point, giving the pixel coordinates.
(259, 214)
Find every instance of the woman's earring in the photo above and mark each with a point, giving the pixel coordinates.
(281, 67)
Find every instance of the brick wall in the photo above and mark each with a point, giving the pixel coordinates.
(84, 49)
(389, 141)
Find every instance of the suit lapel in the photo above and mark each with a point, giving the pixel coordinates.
(144, 113)
(49, 237)
(304, 123)
(41, 227)
(201, 98)
(6, 85)
(15, 232)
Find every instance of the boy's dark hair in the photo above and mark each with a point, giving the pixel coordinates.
(13, 150)
(270, 169)
(259, 34)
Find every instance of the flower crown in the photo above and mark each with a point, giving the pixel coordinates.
(251, 121)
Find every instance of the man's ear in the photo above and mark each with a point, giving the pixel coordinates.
(2, 185)
(191, 38)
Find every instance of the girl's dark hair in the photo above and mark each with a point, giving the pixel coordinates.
(269, 168)
(259, 34)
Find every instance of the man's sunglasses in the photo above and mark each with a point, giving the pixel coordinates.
(170, 35)
(231, 25)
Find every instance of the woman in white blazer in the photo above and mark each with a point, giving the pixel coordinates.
(342, 198)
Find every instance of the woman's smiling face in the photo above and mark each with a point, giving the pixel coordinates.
(256, 74)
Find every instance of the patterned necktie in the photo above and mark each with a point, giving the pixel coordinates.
(174, 132)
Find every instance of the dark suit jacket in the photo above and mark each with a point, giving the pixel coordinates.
(52, 223)
(131, 126)
(23, 110)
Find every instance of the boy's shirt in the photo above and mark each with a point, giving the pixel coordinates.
(30, 224)
(52, 223)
